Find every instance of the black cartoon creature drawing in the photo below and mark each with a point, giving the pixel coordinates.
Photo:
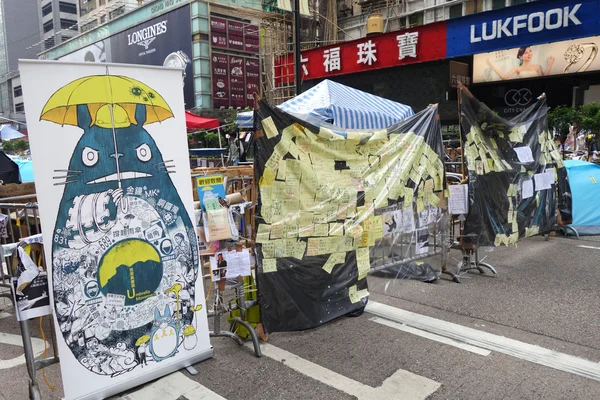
(112, 252)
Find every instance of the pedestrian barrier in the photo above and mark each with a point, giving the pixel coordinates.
(22, 229)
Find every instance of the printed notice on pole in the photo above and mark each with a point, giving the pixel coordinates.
(459, 198)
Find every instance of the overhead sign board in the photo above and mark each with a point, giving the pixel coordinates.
(526, 24)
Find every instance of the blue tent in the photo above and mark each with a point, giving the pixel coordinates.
(341, 106)
(584, 180)
(25, 168)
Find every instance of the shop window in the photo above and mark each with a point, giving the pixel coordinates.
(415, 19)
(67, 23)
(47, 9)
(456, 11)
(19, 107)
(49, 43)
(18, 92)
(48, 26)
(473, 6)
(117, 12)
(67, 7)
(498, 4)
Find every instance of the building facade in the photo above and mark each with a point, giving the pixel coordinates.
(58, 21)
(508, 55)
(19, 38)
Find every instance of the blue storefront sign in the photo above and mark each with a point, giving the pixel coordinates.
(527, 24)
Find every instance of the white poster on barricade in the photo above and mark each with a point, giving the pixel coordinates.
(112, 177)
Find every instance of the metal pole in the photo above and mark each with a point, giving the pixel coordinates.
(297, 54)
(220, 146)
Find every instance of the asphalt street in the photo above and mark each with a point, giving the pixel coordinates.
(530, 332)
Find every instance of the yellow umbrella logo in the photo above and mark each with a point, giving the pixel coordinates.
(98, 91)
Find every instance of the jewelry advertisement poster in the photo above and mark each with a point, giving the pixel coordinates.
(566, 57)
(113, 184)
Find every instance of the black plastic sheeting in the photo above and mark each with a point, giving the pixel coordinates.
(334, 205)
(510, 197)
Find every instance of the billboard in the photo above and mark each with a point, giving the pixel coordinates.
(128, 303)
(233, 35)
(147, 44)
(235, 80)
(527, 24)
(566, 57)
(407, 46)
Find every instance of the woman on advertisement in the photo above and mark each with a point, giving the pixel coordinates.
(525, 69)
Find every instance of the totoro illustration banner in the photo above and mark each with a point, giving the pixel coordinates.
(112, 177)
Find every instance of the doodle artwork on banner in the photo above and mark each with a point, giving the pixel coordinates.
(123, 247)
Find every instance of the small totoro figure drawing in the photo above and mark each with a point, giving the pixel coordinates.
(120, 204)
(164, 339)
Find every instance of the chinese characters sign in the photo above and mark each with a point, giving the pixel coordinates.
(235, 80)
(408, 46)
(234, 35)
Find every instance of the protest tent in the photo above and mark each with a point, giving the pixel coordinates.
(194, 122)
(584, 182)
(342, 106)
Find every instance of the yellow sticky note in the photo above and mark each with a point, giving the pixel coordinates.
(377, 228)
(362, 262)
(321, 229)
(269, 127)
(262, 235)
(281, 171)
(298, 250)
(267, 178)
(336, 229)
(334, 259)
(269, 265)
(420, 204)
(312, 248)
(268, 249)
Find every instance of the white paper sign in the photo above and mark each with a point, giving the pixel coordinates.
(524, 154)
(122, 250)
(527, 189)
(238, 264)
(543, 181)
(459, 199)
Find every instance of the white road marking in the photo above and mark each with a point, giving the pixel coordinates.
(428, 335)
(410, 385)
(525, 351)
(172, 387)
(588, 247)
(15, 340)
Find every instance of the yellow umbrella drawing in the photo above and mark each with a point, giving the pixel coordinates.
(142, 340)
(111, 101)
(99, 91)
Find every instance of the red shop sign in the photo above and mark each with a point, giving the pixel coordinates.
(406, 46)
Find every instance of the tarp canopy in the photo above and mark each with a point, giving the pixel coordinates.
(584, 181)
(25, 168)
(342, 106)
(7, 132)
(194, 122)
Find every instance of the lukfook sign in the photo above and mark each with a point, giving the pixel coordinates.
(555, 18)
(523, 25)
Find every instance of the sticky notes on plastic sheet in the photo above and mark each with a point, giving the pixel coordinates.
(305, 224)
(336, 229)
(297, 249)
(277, 230)
(512, 190)
(291, 228)
(333, 260)
(267, 178)
(269, 265)
(532, 231)
(363, 262)
(355, 295)
(269, 127)
(516, 134)
(327, 134)
(321, 229)
(501, 238)
(263, 233)
(268, 249)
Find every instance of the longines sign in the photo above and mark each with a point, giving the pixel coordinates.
(144, 37)
(524, 25)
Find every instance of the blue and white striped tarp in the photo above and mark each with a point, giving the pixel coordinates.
(341, 106)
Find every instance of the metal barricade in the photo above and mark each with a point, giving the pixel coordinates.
(23, 221)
